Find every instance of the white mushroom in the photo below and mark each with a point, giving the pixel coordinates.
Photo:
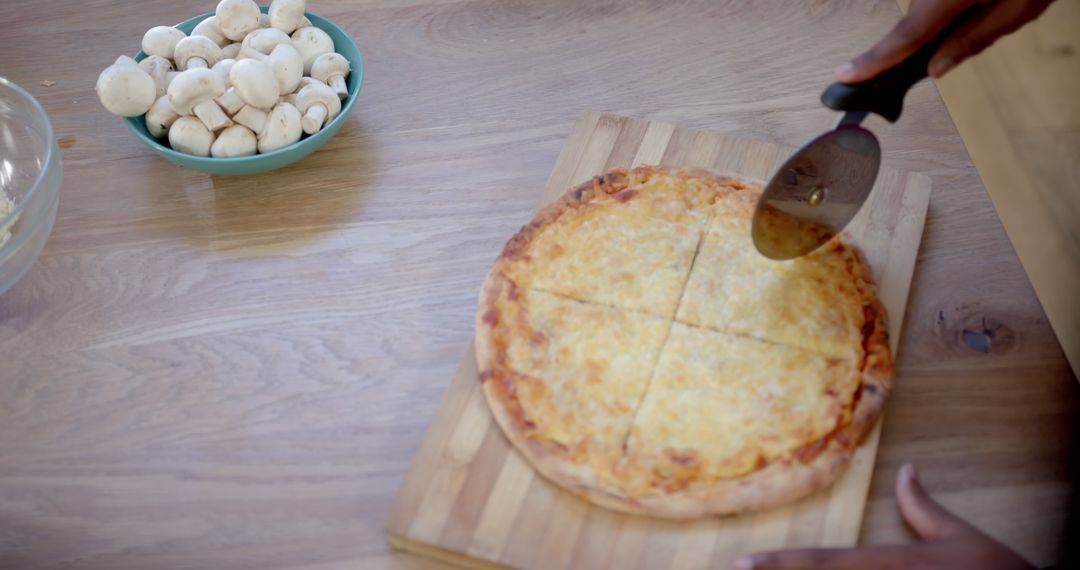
(255, 89)
(160, 117)
(208, 28)
(311, 42)
(253, 84)
(264, 20)
(189, 135)
(261, 42)
(286, 15)
(236, 140)
(252, 118)
(231, 51)
(161, 41)
(158, 68)
(169, 78)
(237, 18)
(196, 52)
(291, 97)
(304, 23)
(193, 92)
(287, 65)
(332, 69)
(230, 101)
(125, 89)
(319, 104)
(282, 128)
(222, 69)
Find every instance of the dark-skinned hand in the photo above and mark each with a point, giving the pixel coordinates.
(985, 22)
(948, 543)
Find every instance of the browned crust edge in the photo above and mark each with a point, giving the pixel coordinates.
(799, 473)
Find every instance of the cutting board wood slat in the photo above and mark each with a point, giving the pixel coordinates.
(470, 499)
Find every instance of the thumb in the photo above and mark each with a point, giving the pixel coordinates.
(926, 516)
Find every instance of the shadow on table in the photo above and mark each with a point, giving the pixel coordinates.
(282, 211)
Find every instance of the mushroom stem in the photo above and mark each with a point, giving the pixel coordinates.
(230, 101)
(211, 115)
(196, 63)
(169, 76)
(160, 117)
(252, 118)
(314, 118)
(337, 83)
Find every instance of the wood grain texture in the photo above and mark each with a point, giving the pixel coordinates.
(215, 372)
(1018, 107)
(576, 534)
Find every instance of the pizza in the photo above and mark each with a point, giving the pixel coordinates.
(639, 351)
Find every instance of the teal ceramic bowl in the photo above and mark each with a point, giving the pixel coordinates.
(343, 44)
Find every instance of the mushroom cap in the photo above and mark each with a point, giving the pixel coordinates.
(286, 15)
(328, 65)
(161, 41)
(158, 67)
(154, 63)
(264, 40)
(288, 66)
(126, 90)
(282, 128)
(193, 87)
(236, 140)
(311, 42)
(208, 28)
(237, 18)
(231, 51)
(196, 46)
(255, 83)
(318, 93)
(125, 60)
(189, 135)
(222, 68)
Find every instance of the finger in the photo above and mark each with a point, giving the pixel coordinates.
(930, 520)
(923, 21)
(998, 20)
(893, 557)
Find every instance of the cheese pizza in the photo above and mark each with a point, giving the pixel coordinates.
(639, 351)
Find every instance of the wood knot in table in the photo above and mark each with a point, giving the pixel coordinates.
(968, 328)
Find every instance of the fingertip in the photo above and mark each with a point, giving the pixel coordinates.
(940, 66)
(909, 472)
(845, 72)
(743, 563)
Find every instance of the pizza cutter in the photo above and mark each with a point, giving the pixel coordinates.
(821, 187)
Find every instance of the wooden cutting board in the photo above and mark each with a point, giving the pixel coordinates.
(471, 499)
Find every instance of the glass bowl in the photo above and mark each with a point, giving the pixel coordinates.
(285, 156)
(30, 175)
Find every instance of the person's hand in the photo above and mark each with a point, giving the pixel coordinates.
(988, 21)
(948, 543)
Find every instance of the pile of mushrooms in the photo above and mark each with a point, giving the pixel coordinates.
(242, 82)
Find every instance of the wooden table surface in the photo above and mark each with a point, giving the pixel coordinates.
(1017, 107)
(214, 372)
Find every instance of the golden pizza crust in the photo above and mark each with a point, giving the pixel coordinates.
(544, 323)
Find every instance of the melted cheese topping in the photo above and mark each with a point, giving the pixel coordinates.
(631, 251)
(802, 302)
(720, 406)
(584, 369)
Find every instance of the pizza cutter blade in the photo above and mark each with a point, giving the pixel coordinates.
(817, 191)
(821, 187)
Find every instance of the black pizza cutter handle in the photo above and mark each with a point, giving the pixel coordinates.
(884, 93)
